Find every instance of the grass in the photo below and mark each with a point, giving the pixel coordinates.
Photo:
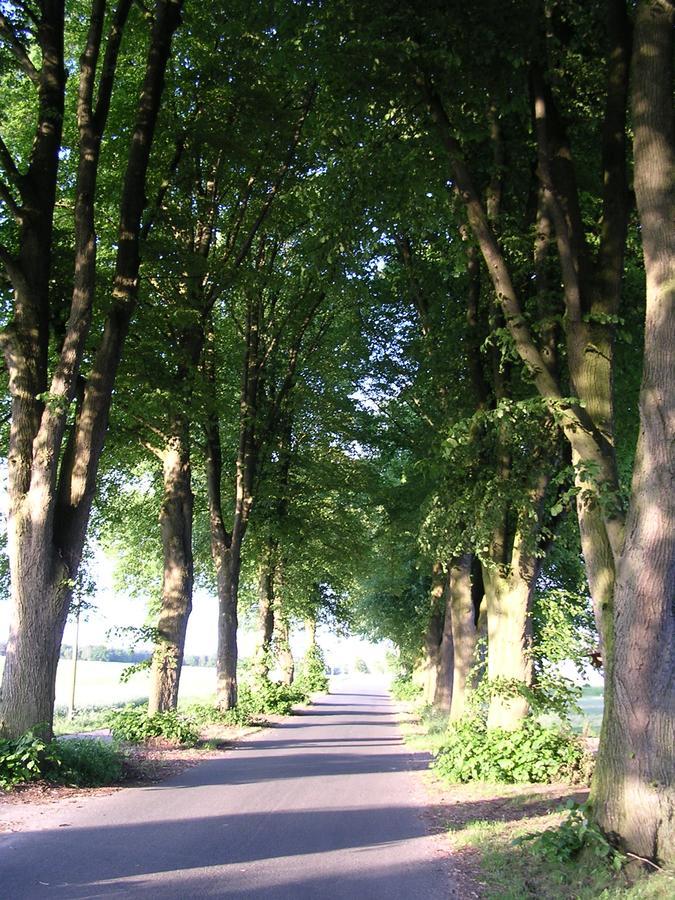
(509, 871)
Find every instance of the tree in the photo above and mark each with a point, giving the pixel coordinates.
(633, 792)
(54, 454)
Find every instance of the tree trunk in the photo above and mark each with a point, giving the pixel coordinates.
(34, 642)
(633, 790)
(265, 616)
(444, 679)
(510, 579)
(432, 638)
(509, 598)
(178, 579)
(464, 633)
(284, 655)
(51, 488)
(228, 623)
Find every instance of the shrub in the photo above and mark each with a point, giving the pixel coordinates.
(313, 678)
(23, 760)
(404, 688)
(263, 696)
(136, 726)
(202, 714)
(578, 832)
(532, 753)
(85, 763)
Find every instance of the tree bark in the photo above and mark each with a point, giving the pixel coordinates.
(446, 657)
(509, 590)
(463, 615)
(633, 791)
(178, 577)
(266, 615)
(428, 672)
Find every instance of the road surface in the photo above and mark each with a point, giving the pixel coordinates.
(325, 805)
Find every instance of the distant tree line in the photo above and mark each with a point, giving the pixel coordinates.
(101, 653)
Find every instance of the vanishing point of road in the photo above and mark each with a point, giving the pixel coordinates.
(326, 806)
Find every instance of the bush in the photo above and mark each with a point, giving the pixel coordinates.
(532, 753)
(202, 714)
(136, 726)
(404, 688)
(313, 678)
(85, 763)
(23, 760)
(263, 696)
(577, 833)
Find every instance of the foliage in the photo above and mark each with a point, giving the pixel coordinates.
(133, 724)
(576, 833)
(263, 696)
(23, 760)
(202, 714)
(86, 763)
(507, 847)
(532, 753)
(404, 688)
(312, 678)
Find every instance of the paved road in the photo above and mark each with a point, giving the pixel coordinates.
(325, 805)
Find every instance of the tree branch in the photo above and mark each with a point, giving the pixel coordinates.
(20, 53)
(8, 164)
(7, 197)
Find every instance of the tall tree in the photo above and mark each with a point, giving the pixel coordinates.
(53, 456)
(633, 791)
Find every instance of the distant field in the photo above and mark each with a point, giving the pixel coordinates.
(98, 683)
(591, 704)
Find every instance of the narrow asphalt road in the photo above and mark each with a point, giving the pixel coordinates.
(325, 805)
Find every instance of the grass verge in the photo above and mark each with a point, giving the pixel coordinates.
(508, 869)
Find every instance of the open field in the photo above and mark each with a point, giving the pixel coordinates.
(98, 683)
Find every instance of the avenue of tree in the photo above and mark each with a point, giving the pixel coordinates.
(357, 316)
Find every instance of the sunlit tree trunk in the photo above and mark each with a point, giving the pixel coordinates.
(178, 578)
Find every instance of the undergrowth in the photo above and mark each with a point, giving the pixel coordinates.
(558, 855)
(402, 687)
(85, 763)
(531, 754)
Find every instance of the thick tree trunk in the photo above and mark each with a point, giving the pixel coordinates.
(34, 640)
(509, 597)
(178, 579)
(634, 786)
(510, 579)
(464, 633)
